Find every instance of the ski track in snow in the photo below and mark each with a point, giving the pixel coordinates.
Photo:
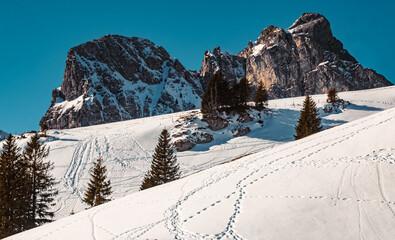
(250, 169)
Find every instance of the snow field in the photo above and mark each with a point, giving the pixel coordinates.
(335, 184)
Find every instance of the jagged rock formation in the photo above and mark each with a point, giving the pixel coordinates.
(232, 66)
(117, 78)
(305, 58)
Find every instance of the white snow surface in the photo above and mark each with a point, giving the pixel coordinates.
(336, 184)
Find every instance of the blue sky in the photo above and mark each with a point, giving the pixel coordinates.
(36, 35)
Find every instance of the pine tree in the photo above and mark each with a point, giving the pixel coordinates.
(14, 194)
(332, 96)
(164, 166)
(41, 183)
(99, 189)
(147, 182)
(261, 97)
(309, 122)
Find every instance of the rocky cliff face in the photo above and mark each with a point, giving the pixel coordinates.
(232, 66)
(305, 58)
(117, 78)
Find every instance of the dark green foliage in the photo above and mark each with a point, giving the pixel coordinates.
(234, 92)
(261, 97)
(14, 195)
(164, 166)
(244, 91)
(309, 122)
(147, 182)
(217, 95)
(41, 183)
(240, 93)
(99, 189)
(332, 96)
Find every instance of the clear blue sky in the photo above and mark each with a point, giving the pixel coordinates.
(36, 35)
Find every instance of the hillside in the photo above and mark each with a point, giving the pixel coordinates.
(127, 146)
(335, 184)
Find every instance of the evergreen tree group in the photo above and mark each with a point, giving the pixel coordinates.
(26, 186)
(99, 188)
(239, 93)
(164, 166)
(309, 121)
(219, 96)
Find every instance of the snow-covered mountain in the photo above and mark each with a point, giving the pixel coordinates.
(335, 184)
(3, 135)
(116, 78)
(305, 58)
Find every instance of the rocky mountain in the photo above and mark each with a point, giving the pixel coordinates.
(3, 135)
(305, 58)
(116, 78)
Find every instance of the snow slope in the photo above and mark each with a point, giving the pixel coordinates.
(336, 184)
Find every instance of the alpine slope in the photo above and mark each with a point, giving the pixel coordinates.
(336, 184)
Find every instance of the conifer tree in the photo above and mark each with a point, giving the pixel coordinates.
(332, 96)
(261, 97)
(41, 183)
(147, 182)
(164, 166)
(14, 194)
(99, 188)
(309, 122)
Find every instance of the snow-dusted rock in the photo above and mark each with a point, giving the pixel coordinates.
(305, 58)
(117, 78)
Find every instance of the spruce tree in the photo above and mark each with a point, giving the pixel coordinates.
(164, 166)
(261, 97)
(14, 192)
(99, 188)
(332, 96)
(41, 183)
(147, 182)
(309, 122)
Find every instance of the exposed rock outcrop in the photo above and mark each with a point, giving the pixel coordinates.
(117, 78)
(305, 58)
